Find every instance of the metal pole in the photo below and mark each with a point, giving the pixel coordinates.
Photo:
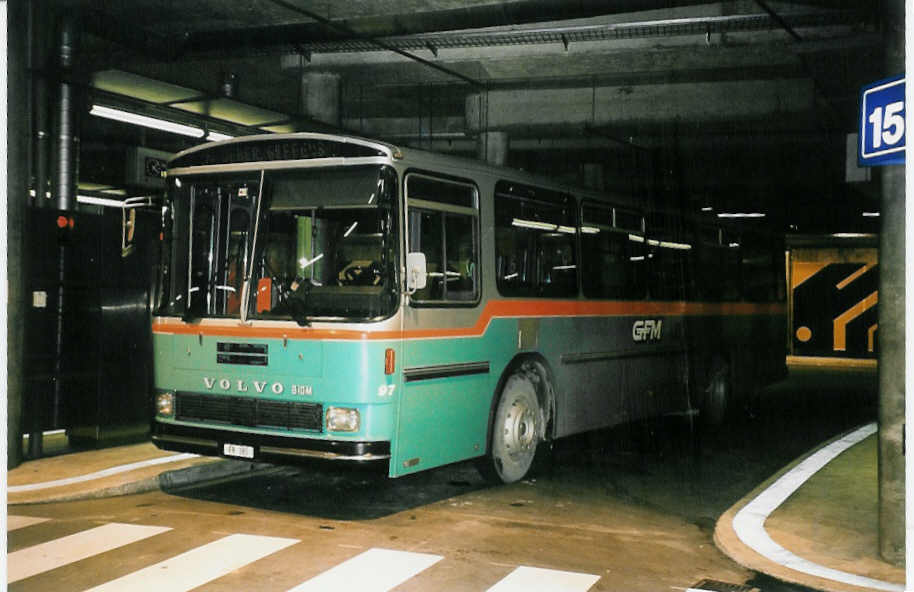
(41, 149)
(66, 128)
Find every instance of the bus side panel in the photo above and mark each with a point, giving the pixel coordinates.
(445, 419)
(605, 377)
(753, 346)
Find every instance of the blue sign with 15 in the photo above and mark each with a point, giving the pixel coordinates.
(882, 123)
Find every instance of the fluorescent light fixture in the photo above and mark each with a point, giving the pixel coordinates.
(590, 230)
(741, 215)
(566, 229)
(217, 136)
(564, 267)
(636, 258)
(852, 235)
(99, 201)
(659, 243)
(511, 276)
(707, 209)
(673, 245)
(351, 228)
(870, 214)
(734, 245)
(143, 120)
(536, 225)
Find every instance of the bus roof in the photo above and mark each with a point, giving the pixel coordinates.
(349, 146)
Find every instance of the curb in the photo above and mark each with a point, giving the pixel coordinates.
(172, 480)
(729, 543)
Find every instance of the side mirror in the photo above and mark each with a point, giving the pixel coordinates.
(416, 274)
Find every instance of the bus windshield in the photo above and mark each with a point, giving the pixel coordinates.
(302, 245)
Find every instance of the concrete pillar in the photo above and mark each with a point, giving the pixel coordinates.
(892, 324)
(320, 97)
(17, 131)
(892, 366)
(492, 147)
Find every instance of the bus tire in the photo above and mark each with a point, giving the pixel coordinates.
(717, 395)
(518, 427)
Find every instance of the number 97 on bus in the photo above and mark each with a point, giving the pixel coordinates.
(882, 123)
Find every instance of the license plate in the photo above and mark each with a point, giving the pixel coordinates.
(238, 450)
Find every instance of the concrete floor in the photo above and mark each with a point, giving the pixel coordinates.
(634, 506)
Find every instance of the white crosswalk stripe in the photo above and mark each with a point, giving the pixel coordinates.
(17, 522)
(375, 570)
(524, 579)
(198, 566)
(75, 547)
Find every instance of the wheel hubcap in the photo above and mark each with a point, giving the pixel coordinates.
(520, 428)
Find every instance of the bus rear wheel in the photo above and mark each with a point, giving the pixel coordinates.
(518, 427)
(717, 395)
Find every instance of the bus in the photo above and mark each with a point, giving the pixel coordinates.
(325, 296)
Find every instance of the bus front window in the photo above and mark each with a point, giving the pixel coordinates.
(301, 244)
(209, 232)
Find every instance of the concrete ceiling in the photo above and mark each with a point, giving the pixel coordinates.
(741, 105)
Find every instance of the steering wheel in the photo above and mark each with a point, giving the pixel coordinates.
(363, 275)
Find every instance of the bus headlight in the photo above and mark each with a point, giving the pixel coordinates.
(342, 419)
(165, 404)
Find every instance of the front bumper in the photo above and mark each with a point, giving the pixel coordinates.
(266, 448)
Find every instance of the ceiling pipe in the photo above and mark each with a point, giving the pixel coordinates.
(341, 28)
(779, 20)
(474, 17)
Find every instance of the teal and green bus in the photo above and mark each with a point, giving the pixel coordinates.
(333, 297)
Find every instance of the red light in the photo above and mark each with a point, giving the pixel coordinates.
(62, 222)
(389, 361)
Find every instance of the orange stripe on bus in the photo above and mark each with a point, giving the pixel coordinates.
(493, 310)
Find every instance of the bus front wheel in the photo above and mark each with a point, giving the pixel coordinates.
(518, 427)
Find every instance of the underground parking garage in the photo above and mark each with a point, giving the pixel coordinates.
(494, 272)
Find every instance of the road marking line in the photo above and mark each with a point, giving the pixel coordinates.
(375, 570)
(198, 566)
(749, 522)
(75, 547)
(525, 578)
(17, 522)
(102, 473)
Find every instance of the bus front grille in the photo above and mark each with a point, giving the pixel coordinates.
(249, 412)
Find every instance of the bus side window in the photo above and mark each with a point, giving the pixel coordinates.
(443, 221)
(613, 258)
(535, 251)
(669, 257)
